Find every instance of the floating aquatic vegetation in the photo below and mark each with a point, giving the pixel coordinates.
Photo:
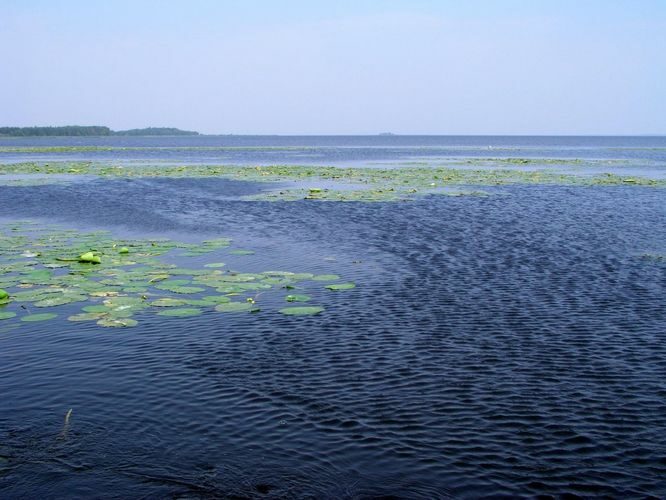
(326, 277)
(297, 298)
(47, 267)
(241, 252)
(236, 307)
(302, 311)
(117, 322)
(341, 286)
(358, 184)
(181, 312)
(39, 317)
(168, 302)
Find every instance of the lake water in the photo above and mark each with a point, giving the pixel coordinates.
(340, 150)
(509, 345)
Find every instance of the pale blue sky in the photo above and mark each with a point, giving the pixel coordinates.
(337, 67)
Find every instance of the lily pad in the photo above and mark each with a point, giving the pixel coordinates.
(117, 322)
(38, 317)
(297, 298)
(171, 283)
(87, 316)
(215, 264)
(241, 252)
(217, 299)
(168, 302)
(185, 289)
(302, 311)
(180, 312)
(326, 277)
(341, 286)
(6, 314)
(96, 309)
(59, 301)
(236, 307)
(199, 302)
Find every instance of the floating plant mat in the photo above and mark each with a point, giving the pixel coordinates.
(47, 273)
(365, 184)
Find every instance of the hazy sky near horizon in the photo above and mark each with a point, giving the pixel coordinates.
(343, 67)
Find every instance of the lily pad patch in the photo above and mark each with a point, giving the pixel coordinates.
(47, 267)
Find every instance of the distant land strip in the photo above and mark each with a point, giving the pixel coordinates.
(79, 131)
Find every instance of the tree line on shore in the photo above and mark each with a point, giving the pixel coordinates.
(95, 130)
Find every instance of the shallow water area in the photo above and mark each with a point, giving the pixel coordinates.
(509, 345)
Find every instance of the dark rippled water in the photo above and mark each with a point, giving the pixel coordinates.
(510, 345)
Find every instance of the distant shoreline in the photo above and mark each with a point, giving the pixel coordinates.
(91, 131)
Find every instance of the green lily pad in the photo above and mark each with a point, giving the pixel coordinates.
(341, 286)
(96, 309)
(199, 302)
(60, 300)
(38, 317)
(239, 277)
(215, 264)
(229, 289)
(168, 302)
(241, 252)
(185, 289)
(297, 298)
(125, 301)
(302, 311)
(277, 281)
(88, 316)
(302, 276)
(122, 312)
(172, 283)
(326, 277)
(236, 307)
(117, 322)
(217, 299)
(6, 314)
(181, 312)
(254, 286)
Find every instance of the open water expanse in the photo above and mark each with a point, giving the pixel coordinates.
(334, 150)
(508, 345)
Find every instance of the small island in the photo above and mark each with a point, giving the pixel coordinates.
(94, 130)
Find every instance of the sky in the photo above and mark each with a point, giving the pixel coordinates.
(539, 67)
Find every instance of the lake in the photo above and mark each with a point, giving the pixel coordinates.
(511, 344)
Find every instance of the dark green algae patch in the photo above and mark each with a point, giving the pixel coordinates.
(344, 184)
(116, 282)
